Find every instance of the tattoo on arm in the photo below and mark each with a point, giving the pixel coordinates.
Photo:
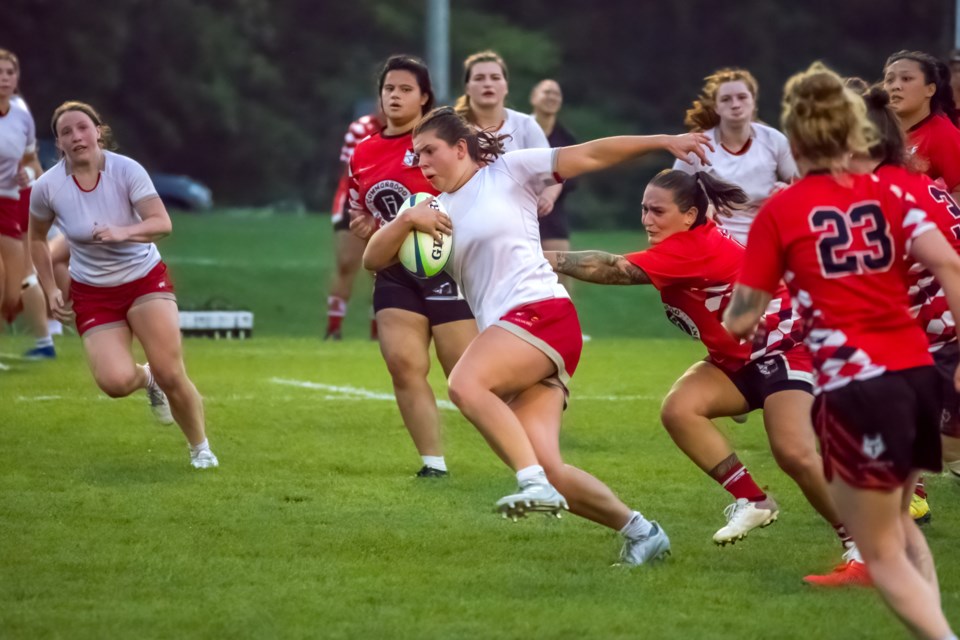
(599, 267)
(745, 310)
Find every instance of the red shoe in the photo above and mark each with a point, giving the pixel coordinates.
(850, 574)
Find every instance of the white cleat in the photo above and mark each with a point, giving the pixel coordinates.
(744, 516)
(204, 459)
(536, 496)
(158, 401)
(652, 548)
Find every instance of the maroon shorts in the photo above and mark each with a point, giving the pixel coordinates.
(12, 223)
(945, 359)
(107, 307)
(875, 433)
(551, 326)
(761, 378)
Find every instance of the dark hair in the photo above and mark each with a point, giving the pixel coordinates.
(699, 190)
(418, 68)
(934, 72)
(484, 147)
(890, 147)
(106, 134)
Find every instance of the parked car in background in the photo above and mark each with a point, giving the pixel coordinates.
(177, 192)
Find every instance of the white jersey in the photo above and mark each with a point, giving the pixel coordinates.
(523, 130)
(121, 186)
(497, 261)
(767, 161)
(18, 136)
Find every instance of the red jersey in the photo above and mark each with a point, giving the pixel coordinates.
(383, 173)
(928, 302)
(936, 142)
(840, 244)
(695, 271)
(357, 131)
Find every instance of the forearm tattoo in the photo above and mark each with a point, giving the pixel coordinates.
(746, 303)
(599, 267)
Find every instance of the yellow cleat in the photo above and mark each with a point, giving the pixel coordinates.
(919, 510)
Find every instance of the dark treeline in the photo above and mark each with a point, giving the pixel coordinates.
(253, 96)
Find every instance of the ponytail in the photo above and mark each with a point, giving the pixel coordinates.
(483, 146)
(700, 190)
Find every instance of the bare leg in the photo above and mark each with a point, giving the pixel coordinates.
(405, 345)
(451, 339)
(876, 520)
(540, 409)
(787, 418)
(111, 361)
(156, 325)
(499, 365)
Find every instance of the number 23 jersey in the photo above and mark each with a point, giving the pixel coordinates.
(383, 173)
(839, 243)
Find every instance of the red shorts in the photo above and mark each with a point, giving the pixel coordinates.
(107, 307)
(875, 433)
(12, 222)
(551, 326)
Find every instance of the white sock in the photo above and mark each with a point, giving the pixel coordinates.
(532, 473)
(55, 327)
(636, 527)
(203, 446)
(435, 462)
(45, 342)
(150, 380)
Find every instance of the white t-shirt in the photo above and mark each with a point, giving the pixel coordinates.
(18, 136)
(122, 185)
(523, 130)
(766, 162)
(497, 260)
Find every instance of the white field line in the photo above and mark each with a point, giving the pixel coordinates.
(350, 393)
(38, 398)
(4, 367)
(11, 356)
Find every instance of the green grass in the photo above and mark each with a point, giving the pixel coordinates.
(313, 526)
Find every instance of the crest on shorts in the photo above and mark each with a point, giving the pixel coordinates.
(873, 447)
(767, 367)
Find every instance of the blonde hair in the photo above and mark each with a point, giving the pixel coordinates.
(10, 56)
(823, 119)
(462, 105)
(106, 140)
(703, 114)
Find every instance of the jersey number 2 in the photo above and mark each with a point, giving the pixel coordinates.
(837, 247)
(944, 198)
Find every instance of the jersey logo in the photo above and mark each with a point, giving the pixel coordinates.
(873, 447)
(682, 320)
(409, 158)
(385, 198)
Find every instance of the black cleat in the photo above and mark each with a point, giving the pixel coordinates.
(430, 472)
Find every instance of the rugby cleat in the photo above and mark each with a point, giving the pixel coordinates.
(203, 459)
(537, 496)
(920, 509)
(743, 517)
(41, 353)
(158, 401)
(430, 472)
(654, 547)
(852, 572)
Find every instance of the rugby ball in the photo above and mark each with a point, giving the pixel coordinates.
(420, 253)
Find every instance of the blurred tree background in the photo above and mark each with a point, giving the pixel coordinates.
(252, 97)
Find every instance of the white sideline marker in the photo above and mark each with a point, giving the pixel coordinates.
(356, 392)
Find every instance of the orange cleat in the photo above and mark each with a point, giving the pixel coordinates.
(849, 574)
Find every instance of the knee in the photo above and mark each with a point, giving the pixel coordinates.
(118, 384)
(462, 391)
(168, 375)
(796, 463)
(675, 412)
(406, 370)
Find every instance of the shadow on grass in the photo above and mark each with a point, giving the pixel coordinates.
(146, 471)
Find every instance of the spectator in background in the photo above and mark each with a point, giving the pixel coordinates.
(921, 96)
(348, 248)
(746, 153)
(483, 104)
(19, 166)
(953, 63)
(546, 100)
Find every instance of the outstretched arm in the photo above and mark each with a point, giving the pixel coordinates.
(607, 152)
(596, 266)
(745, 310)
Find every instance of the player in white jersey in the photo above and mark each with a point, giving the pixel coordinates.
(110, 213)
(19, 165)
(511, 381)
(751, 155)
(483, 104)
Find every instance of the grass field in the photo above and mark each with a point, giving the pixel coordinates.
(313, 526)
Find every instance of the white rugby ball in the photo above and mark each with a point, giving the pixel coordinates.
(420, 253)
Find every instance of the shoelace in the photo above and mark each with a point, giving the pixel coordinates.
(731, 510)
(156, 396)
